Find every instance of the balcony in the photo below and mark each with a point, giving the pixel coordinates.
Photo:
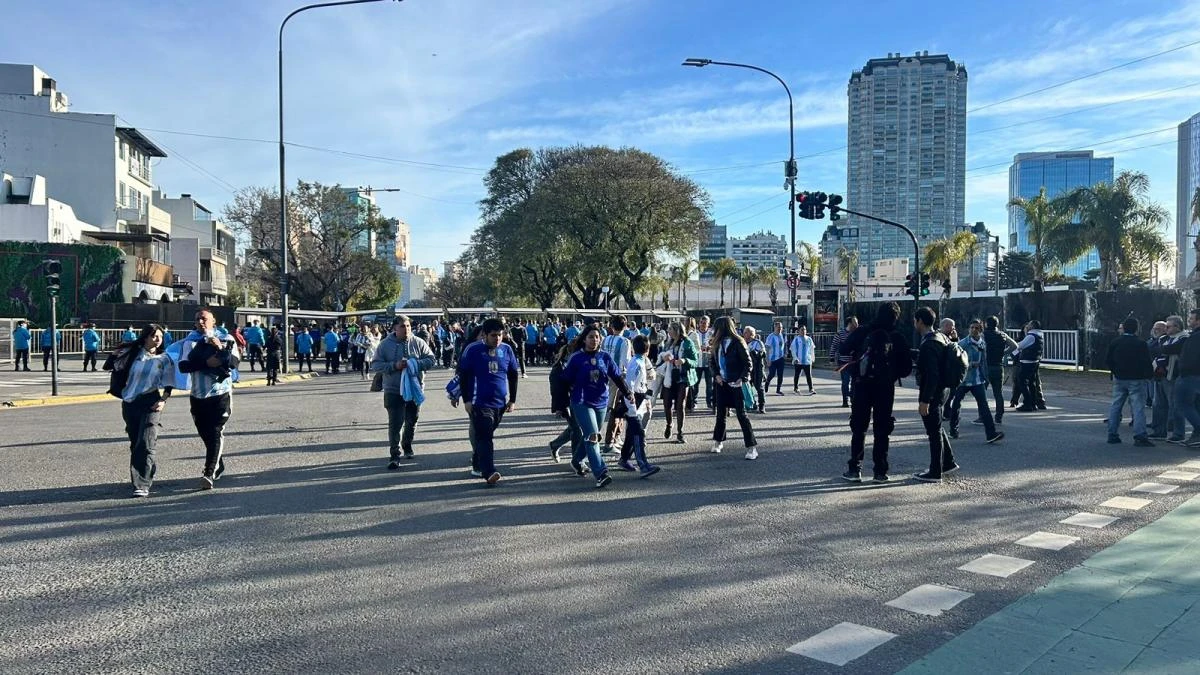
(139, 170)
(210, 253)
(150, 271)
(137, 220)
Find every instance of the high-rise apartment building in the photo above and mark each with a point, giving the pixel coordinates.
(715, 247)
(1059, 173)
(906, 152)
(761, 249)
(1189, 181)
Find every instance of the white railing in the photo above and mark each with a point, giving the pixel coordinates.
(72, 339)
(1058, 346)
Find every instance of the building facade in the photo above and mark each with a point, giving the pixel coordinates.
(27, 214)
(90, 163)
(906, 151)
(1059, 173)
(758, 250)
(1188, 182)
(366, 240)
(713, 248)
(202, 249)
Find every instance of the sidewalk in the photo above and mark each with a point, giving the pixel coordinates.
(1132, 608)
(22, 390)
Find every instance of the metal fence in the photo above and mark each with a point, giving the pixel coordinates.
(1058, 346)
(72, 339)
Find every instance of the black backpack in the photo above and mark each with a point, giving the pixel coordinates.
(955, 363)
(119, 363)
(875, 364)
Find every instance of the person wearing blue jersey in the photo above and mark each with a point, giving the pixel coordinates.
(130, 335)
(255, 339)
(167, 338)
(572, 332)
(50, 336)
(487, 375)
(304, 350)
(776, 357)
(91, 346)
(550, 335)
(531, 342)
(21, 339)
(331, 341)
(588, 374)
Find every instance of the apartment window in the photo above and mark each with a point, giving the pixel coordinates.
(121, 149)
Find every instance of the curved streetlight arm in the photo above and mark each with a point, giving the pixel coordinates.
(283, 224)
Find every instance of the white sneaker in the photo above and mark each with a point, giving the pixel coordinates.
(717, 447)
(752, 453)
(477, 473)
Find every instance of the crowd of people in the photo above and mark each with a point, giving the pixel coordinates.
(607, 378)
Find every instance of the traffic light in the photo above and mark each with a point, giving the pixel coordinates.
(925, 281)
(835, 210)
(804, 205)
(910, 286)
(52, 270)
(946, 287)
(818, 204)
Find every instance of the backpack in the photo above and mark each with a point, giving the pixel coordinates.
(955, 363)
(876, 359)
(119, 362)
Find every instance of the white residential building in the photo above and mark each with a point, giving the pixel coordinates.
(202, 248)
(27, 214)
(89, 162)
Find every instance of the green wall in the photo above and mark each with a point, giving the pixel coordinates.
(90, 273)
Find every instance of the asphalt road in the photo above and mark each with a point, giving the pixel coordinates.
(310, 557)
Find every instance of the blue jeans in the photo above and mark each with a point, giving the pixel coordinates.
(1187, 388)
(845, 381)
(591, 426)
(1133, 391)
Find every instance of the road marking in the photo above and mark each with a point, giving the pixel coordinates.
(1128, 503)
(930, 599)
(1093, 520)
(1191, 464)
(841, 644)
(1156, 488)
(1048, 541)
(1002, 566)
(1175, 474)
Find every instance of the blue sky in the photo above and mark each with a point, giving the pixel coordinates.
(455, 83)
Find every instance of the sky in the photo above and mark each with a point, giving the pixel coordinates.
(423, 95)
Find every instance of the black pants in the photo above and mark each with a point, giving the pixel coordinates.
(447, 357)
(756, 378)
(484, 422)
(941, 453)
(775, 372)
(1028, 392)
(254, 353)
(996, 382)
(142, 425)
(797, 369)
(871, 405)
(731, 398)
(22, 355)
(358, 362)
(46, 352)
(332, 362)
(402, 422)
(89, 357)
(210, 416)
(302, 359)
(953, 409)
(272, 367)
(675, 397)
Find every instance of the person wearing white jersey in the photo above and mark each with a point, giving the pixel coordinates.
(619, 348)
(803, 353)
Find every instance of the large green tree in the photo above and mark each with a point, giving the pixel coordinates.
(330, 262)
(1044, 220)
(1016, 270)
(569, 221)
(1120, 222)
(723, 270)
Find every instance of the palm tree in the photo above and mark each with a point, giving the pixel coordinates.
(722, 269)
(810, 258)
(768, 277)
(1196, 205)
(685, 271)
(749, 277)
(847, 261)
(943, 254)
(1120, 222)
(655, 285)
(969, 245)
(1043, 220)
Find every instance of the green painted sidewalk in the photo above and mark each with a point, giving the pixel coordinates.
(1132, 608)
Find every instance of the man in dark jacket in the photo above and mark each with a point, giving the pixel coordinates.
(1187, 383)
(875, 356)
(1129, 362)
(932, 396)
(998, 344)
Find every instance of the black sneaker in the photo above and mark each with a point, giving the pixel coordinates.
(852, 476)
(667, 433)
(650, 471)
(954, 433)
(206, 482)
(997, 438)
(408, 454)
(220, 470)
(554, 454)
(978, 421)
(1142, 443)
(579, 470)
(1114, 440)
(1193, 441)
(603, 481)
(950, 469)
(394, 465)
(881, 478)
(927, 477)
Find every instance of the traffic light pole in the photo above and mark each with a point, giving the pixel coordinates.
(54, 345)
(911, 235)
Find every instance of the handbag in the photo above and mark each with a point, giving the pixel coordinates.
(747, 396)
(377, 382)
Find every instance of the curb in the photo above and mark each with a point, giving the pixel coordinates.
(94, 398)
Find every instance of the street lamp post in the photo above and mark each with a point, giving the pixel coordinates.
(789, 171)
(283, 224)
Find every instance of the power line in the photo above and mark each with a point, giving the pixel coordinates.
(1087, 147)
(1083, 77)
(1089, 108)
(753, 215)
(744, 208)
